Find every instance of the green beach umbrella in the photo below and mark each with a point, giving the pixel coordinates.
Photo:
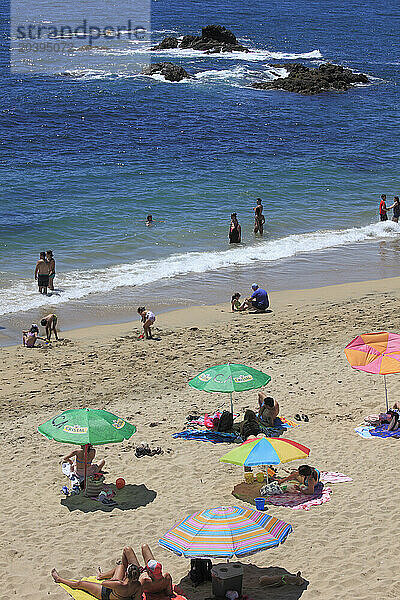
(229, 378)
(84, 426)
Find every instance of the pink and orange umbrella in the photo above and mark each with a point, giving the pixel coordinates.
(377, 353)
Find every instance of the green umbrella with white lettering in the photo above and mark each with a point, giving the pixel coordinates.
(229, 378)
(84, 426)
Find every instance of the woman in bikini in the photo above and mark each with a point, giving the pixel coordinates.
(122, 583)
(306, 476)
(79, 456)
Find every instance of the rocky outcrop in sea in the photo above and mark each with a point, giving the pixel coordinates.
(168, 70)
(305, 80)
(213, 39)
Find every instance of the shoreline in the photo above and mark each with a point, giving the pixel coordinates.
(207, 315)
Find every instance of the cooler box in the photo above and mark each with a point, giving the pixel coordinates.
(227, 576)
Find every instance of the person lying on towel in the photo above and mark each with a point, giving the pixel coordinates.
(307, 478)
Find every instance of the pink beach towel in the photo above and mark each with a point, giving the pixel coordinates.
(333, 477)
(298, 501)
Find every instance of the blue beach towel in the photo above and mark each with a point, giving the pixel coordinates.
(382, 432)
(215, 437)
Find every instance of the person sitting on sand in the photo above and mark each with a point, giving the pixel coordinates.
(148, 318)
(123, 581)
(306, 476)
(29, 337)
(79, 462)
(258, 300)
(50, 323)
(394, 422)
(236, 305)
(268, 409)
(153, 582)
(279, 580)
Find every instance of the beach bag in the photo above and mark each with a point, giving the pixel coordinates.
(94, 485)
(271, 489)
(200, 570)
(225, 423)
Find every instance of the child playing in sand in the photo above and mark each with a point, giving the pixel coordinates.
(29, 337)
(50, 323)
(236, 305)
(148, 318)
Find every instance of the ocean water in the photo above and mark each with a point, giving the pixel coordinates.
(88, 151)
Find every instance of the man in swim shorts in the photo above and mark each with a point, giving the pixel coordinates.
(42, 273)
(258, 300)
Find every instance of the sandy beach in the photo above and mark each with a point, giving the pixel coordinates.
(346, 548)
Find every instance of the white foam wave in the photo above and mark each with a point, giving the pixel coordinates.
(23, 295)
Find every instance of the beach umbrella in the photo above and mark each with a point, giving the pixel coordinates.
(84, 426)
(225, 532)
(377, 353)
(265, 451)
(229, 378)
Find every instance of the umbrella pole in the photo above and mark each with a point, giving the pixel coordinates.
(387, 406)
(231, 402)
(85, 468)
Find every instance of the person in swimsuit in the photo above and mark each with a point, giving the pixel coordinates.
(79, 462)
(29, 337)
(149, 220)
(396, 209)
(259, 218)
(153, 582)
(235, 231)
(42, 273)
(122, 583)
(268, 408)
(52, 268)
(383, 208)
(306, 476)
(50, 323)
(236, 305)
(148, 319)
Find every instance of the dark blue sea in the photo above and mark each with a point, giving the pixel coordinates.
(89, 148)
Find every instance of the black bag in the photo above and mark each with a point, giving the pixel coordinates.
(225, 422)
(200, 570)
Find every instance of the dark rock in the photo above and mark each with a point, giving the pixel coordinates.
(303, 80)
(188, 41)
(166, 44)
(170, 71)
(213, 39)
(220, 34)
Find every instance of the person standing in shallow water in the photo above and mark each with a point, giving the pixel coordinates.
(235, 231)
(52, 268)
(42, 273)
(396, 209)
(259, 218)
(383, 208)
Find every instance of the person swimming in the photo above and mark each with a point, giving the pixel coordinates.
(149, 220)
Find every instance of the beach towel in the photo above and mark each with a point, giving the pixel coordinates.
(383, 432)
(81, 595)
(364, 431)
(333, 477)
(298, 501)
(215, 437)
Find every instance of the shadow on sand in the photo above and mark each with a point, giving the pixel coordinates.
(129, 498)
(251, 586)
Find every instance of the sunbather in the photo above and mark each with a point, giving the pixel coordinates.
(306, 476)
(79, 462)
(122, 583)
(268, 408)
(153, 582)
(394, 423)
